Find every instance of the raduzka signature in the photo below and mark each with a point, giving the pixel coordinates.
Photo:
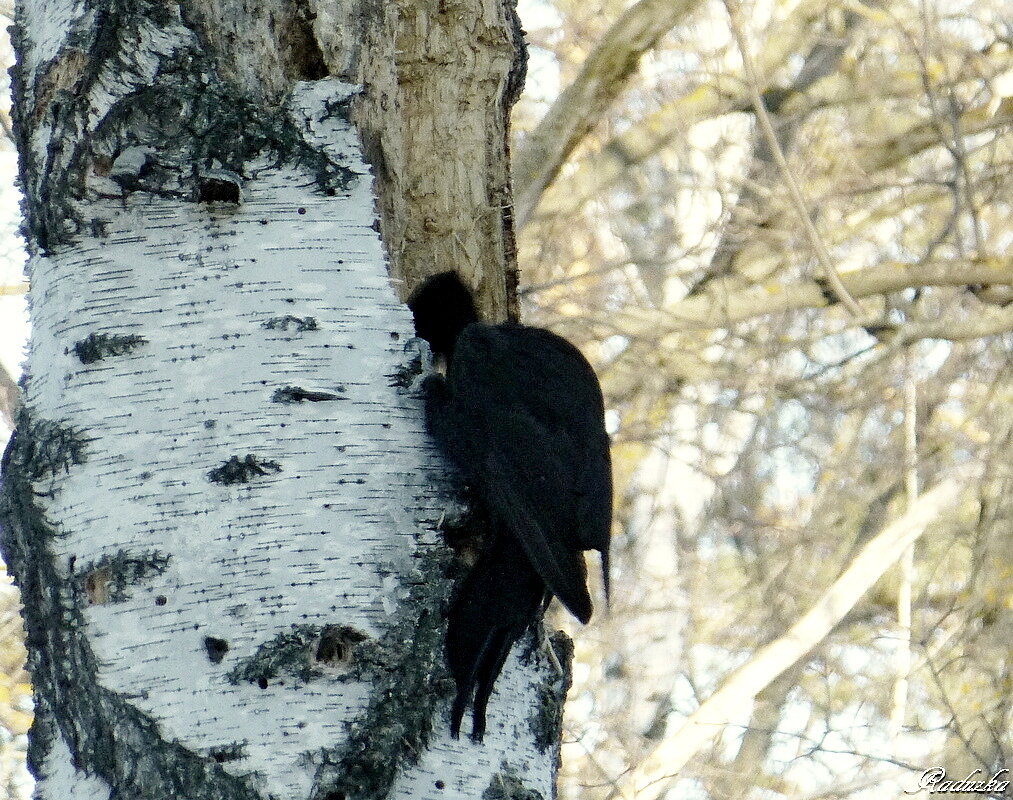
(934, 780)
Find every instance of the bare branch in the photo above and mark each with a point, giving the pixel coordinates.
(752, 208)
(799, 202)
(722, 305)
(921, 136)
(582, 104)
(605, 167)
(652, 777)
(989, 322)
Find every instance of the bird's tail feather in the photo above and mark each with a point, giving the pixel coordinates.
(492, 664)
(605, 565)
(496, 603)
(465, 660)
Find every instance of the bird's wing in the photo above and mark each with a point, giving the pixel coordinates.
(573, 404)
(526, 492)
(530, 433)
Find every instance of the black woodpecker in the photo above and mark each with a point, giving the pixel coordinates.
(520, 414)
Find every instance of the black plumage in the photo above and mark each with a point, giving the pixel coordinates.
(520, 413)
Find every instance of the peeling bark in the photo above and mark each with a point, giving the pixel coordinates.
(441, 78)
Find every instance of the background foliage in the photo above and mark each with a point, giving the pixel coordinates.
(768, 425)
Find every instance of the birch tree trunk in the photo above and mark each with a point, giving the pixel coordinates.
(220, 503)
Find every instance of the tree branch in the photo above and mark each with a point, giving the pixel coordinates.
(721, 305)
(652, 777)
(582, 104)
(752, 208)
(988, 322)
(799, 201)
(603, 168)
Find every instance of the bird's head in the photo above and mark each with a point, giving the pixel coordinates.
(442, 307)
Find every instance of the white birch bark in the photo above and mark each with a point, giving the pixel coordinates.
(221, 505)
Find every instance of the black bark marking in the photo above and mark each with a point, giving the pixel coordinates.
(216, 649)
(222, 754)
(45, 447)
(219, 186)
(336, 646)
(187, 119)
(98, 346)
(546, 722)
(291, 653)
(289, 322)
(506, 785)
(242, 470)
(296, 394)
(410, 687)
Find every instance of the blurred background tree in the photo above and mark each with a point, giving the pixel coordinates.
(781, 233)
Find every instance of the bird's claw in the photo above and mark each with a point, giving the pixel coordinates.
(421, 365)
(419, 347)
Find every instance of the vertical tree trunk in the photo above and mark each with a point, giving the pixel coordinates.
(220, 503)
